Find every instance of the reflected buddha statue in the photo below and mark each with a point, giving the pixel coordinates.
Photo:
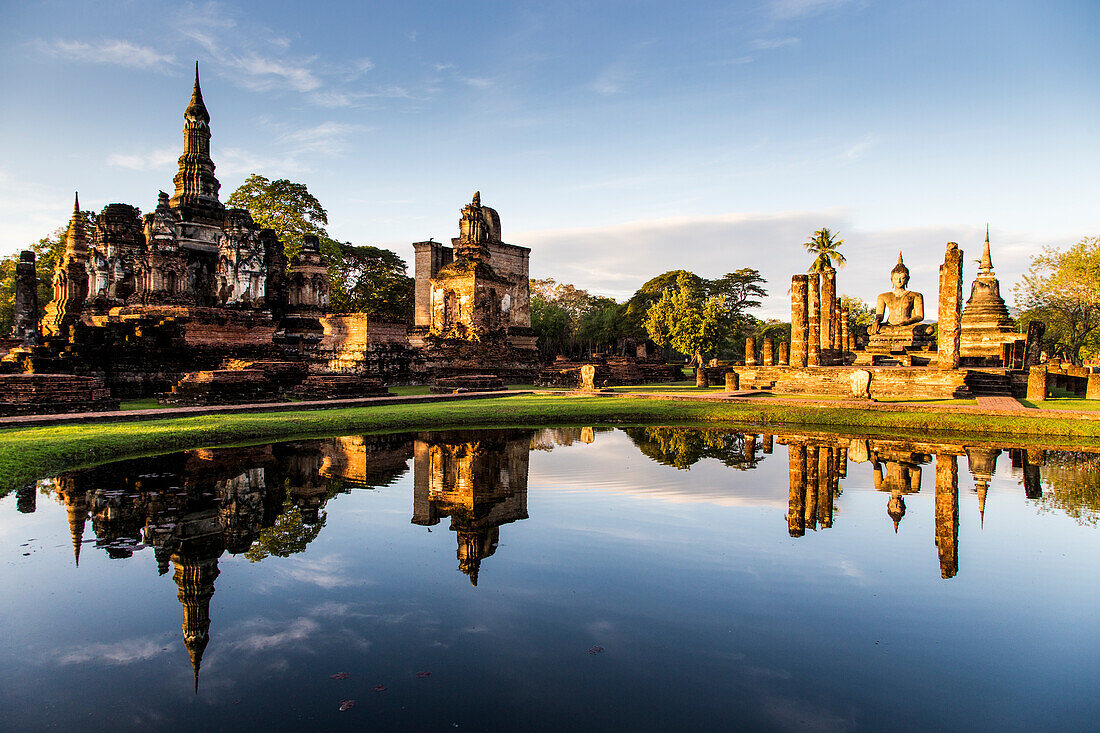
(899, 311)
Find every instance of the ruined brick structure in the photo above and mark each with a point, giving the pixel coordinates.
(472, 301)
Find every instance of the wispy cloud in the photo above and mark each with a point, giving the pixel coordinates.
(787, 9)
(261, 73)
(860, 148)
(327, 138)
(442, 67)
(476, 81)
(157, 159)
(612, 79)
(118, 653)
(766, 44)
(120, 53)
(299, 630)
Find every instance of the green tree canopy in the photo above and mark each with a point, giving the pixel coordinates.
(690, 322)
(288, 536)
(369, 279)
(287, 207)
(1060, 288)
(824, 245)
(860, 316)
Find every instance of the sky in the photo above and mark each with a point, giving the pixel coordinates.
(618, 140)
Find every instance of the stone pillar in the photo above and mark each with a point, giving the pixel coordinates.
(947, 514)
(1092, 390)
(950, 314)
(1033, 345)
(733, 382)
(750, 351)
(26, 299)
(826, 474)
(749, 448)
(812, 461)
(837, 328)
(1037, 383)
(784, 354)
(813, 319)
(799, 325)
(769, 442)
(796, 501)
(828, 308)
(767, 355)
(845, 338)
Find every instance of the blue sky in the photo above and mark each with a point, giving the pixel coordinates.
(617, 139)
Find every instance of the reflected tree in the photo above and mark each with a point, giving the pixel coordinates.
(289, 535)
(684, 447)
(1071, 485)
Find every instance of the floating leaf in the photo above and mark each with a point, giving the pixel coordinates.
(340, 676)
(379, 688)
(422, 675)
(346, 705)
(595, 650)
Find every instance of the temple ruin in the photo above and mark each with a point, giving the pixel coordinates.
(194, 301)
(970, 351)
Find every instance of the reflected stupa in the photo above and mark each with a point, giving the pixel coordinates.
(480, 483)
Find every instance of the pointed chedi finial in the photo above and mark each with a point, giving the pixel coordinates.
(476, 201)
(900, 262)
(75, 241)
(981, 506)
(985, 267)
(197, 108)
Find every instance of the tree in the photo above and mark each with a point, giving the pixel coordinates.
(361, 278)
(370, 279)
(740, 291)
(1060, 288)
(690, 322)
(684, 447)
(288, 536)
(288, 208)
(824, 245)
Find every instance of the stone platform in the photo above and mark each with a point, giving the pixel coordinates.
(48, 394)
(221, 387)
(471, 383)
(910, 383)
(612, 371)
(337, 387)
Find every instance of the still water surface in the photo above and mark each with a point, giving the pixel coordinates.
(638, 579)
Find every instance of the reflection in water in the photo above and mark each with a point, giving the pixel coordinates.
(478, 480)
(193, 507)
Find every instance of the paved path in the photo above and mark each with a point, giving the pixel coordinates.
(1001, 403)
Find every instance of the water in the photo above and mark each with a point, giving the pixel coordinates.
(646, 579)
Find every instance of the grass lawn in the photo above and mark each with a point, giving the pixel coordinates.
(30, 453)
(145, 403)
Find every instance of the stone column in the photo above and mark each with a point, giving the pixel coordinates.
(799, 336)
(947, 514)
(750, 351)
(769, 442)
(26, 299)
(1037, 383)
(813, 319)
(826, 475)
(767, 355)
(733, 381)
(796, 501)
(1033, 345)
(845, 338)
(828, 308)
(812, 459)
(784, 354)
(749, 448)
(950, 314)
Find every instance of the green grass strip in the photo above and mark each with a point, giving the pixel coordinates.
(27, 454)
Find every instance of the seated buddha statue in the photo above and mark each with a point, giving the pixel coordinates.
(897, 309)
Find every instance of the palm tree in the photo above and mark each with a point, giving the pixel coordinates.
(824, 244)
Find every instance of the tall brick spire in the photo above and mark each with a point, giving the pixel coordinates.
(196, 186)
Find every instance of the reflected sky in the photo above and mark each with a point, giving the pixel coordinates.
(647, 578)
